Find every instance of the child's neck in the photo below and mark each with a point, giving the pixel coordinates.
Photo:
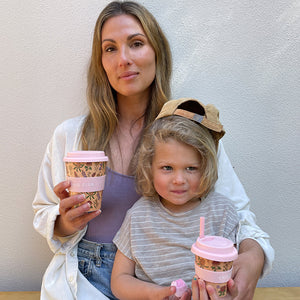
(191, 204)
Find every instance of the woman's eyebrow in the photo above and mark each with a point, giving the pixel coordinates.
(131, 36)
(134, 35)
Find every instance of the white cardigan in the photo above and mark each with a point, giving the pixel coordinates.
(62, 279)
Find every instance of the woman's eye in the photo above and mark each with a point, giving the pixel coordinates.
(109, 49)
(137, 44)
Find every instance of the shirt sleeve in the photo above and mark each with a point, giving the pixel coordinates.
(46, 203)
(230, 186)
(232, 222)
(122, 238)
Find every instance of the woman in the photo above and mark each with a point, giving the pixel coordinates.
(128, 82)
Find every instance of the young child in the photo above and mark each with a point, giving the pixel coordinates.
(176, 171)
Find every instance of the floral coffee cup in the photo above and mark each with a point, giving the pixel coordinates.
(85, 170)
(214, 256)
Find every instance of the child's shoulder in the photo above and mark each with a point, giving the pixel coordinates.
(142, 205)
(216, 199)
(220, 207)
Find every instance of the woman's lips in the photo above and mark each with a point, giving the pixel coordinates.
(128, 75)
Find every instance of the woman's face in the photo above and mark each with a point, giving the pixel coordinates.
(127, 56)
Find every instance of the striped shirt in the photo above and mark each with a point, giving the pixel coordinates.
(159, 241)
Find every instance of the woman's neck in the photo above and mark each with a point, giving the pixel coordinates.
(127, 134)
(131, 109)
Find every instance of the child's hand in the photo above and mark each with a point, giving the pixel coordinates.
(165, 293)
(202, 292)
(170, 294)
(181, 289)
(187, 295)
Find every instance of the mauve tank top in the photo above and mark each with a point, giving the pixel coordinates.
(119, 195)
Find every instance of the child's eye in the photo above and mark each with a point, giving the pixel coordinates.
(167, 168)
(191, 168)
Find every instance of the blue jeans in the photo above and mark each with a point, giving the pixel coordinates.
(95, 262)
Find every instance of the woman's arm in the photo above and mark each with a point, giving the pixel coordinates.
(46, 204)
(247, 268)
(230, 186)
(126, 286)
(256, 254)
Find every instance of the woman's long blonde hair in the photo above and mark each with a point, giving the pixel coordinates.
(102, 118)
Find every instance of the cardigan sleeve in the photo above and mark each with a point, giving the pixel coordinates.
(46, 203)
(230, 186)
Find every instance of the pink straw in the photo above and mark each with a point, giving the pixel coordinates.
(202, 221)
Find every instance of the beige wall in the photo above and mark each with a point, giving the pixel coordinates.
(243, 56)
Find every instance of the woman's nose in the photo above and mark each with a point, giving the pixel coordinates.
(124, 57)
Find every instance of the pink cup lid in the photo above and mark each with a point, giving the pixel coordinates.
(85, 156)
(215, 248)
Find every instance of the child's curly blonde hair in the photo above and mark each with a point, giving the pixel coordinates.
(184, 131)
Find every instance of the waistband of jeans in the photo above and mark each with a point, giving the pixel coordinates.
(93, 246)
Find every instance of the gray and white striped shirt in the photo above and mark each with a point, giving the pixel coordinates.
(160, 241)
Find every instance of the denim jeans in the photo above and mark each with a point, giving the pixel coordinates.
(95, 262)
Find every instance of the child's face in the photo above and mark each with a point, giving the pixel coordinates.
(176, 175)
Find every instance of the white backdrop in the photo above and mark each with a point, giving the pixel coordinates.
(241, 55)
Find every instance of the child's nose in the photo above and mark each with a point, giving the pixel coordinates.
(178, 178)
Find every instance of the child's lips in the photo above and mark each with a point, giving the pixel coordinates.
(179, 192)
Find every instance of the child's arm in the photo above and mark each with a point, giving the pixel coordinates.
(125, 285)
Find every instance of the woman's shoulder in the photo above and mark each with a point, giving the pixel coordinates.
(67, 134)
(71, 124)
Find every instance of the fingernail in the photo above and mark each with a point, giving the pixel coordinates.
(86, 205)
(195, 278)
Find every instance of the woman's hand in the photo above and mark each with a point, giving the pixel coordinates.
(201, 291)
(71, 219)
(247, 268)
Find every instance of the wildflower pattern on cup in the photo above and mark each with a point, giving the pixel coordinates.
(87, 169)
(94, 198)
(211, 265)
(221, 288)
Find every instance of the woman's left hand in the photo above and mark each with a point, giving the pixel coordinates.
(247, 268)
(201, 291)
